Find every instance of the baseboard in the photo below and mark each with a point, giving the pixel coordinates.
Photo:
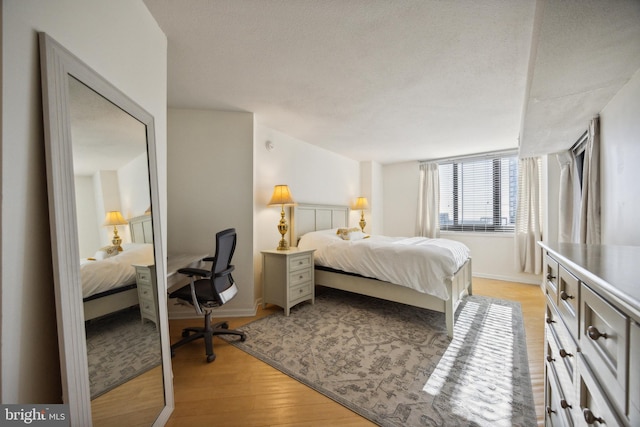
(533, 280)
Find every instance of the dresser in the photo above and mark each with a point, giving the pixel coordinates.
(147, 292)
(592, 335)
(287, 277)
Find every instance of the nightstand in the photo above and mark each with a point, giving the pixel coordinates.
(287, 277)
(147, 292)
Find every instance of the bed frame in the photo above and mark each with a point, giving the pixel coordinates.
(306, 218)
(102, 304)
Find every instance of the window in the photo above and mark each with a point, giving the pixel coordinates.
(479, 193)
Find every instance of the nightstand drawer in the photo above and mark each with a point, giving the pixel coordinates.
(298, 277)
(145, 293)
(603, 341)
(300, 261)
(148, 307)
(143, 275)
(300, 293)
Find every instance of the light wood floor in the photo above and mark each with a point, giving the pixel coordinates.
(239, 390)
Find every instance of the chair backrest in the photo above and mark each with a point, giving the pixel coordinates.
(222, 282)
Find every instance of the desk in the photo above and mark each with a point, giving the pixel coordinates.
(175, 280)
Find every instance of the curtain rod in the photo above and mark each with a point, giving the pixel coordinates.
(473, 156)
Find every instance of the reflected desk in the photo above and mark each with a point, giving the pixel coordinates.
(176, 280)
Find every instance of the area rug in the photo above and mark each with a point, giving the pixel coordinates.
(120, 347)
(394, 364)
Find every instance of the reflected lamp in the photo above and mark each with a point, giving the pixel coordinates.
(362, 204)
(114, 218)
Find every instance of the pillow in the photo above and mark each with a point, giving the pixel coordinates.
(106, 252)
(350, 233)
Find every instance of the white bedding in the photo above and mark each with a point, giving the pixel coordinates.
(419, 263)
(101, 275)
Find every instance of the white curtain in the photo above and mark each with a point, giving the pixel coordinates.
(590, 203)
(569, 198)
(428, 218)
(529, 216)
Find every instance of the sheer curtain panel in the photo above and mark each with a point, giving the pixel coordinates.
(529, 214)
(590, 203)
(569, 198)
(428, 224)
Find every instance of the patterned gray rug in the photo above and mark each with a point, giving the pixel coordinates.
(120, 347)
(395, 365)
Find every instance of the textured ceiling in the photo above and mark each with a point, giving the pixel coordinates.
(402, 80)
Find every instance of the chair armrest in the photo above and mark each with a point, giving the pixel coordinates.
(194, 272)
(225, 272)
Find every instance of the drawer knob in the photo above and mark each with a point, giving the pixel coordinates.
(590, 418)
(564, 404)
(550, 411)
(549, 320)
(565, 296)
(550, 359)
(564, 354)
(550, 276)
(594, 333)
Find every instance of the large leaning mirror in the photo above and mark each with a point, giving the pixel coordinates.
(106, 244)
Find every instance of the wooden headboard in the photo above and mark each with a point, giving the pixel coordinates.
(306, 218)
(141, 229)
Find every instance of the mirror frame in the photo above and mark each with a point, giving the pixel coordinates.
(57, 64)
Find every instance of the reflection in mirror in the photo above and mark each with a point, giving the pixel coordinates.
(102, 181)
(117, 273)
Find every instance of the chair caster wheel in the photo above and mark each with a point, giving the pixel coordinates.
(211, 358)
(225, 325)
(185, 334)
(243, 338)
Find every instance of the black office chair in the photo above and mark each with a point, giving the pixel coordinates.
(207, 290)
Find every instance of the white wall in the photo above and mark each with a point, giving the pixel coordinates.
(122, 42)
(210, 188)
(313, 174)
(620, 166)
(493, 255)
(88, 229)
(371, 187)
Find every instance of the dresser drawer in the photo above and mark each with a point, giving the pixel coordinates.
(148, 307)
(300, 293)
(551, 275)
(595, 407)
(561, 354)
(568, 300)
(558, 410)
(603, 341)
(634, 374)
(300, 262)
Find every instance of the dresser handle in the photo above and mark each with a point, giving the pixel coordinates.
(564, 354)
(590, 418)
(594, 333)
(550, 276)
(550, 411)
(549, 320)
(565, 296)
(564, 404)
(550, 359)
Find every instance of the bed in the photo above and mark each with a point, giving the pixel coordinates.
(109, 282)
(320, 221)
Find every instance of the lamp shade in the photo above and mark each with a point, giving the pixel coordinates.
(361, 203)
(281, 196)
(114, 218)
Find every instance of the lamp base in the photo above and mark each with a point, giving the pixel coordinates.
(116, 241)
(283, 245)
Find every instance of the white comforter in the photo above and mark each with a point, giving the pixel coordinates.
(104, 274)
(419, 263)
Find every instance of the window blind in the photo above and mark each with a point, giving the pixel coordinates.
(479, 194)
